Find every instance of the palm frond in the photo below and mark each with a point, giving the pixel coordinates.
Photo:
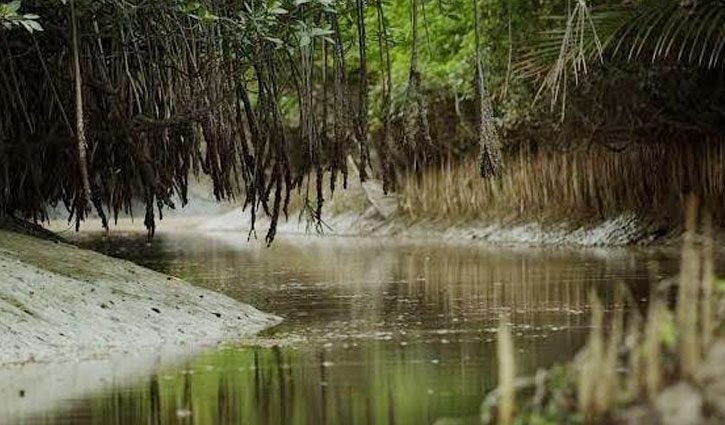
(668, 30)
(576, 39)
(653, 30)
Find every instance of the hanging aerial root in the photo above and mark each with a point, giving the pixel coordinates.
(490, 159)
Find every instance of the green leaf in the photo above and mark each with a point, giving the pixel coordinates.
(668, 334)
(720, 285)
(274, 40)
(34, 25)
(13, 7)
(207, 17)
(305, 40)
(192, 6)
(320, 31)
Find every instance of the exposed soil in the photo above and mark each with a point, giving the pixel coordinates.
(59, 302)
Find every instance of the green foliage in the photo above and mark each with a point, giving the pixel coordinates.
(720, 285)
(198, 11)
(10, 17)
(283, 82)
(668, 332)
(447, 48)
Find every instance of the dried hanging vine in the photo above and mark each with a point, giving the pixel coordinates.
(490, 159)
(164, 90)
(83, 200)
(417, 140)
(362, 112)
(341, 116)
(387, 146)
(160, 90)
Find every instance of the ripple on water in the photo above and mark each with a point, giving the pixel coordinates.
(373, 333)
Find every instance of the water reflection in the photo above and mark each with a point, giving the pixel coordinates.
(374, 333)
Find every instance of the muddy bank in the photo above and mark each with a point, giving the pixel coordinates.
(623, 230)
(59, 302)
(363, 209)
(619, 231)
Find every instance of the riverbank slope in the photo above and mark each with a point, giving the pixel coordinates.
(59, 302)
(597, 198)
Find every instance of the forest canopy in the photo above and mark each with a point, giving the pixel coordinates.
(106, 102)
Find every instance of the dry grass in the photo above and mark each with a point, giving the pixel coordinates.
(652, 348)
(688, 294)
(669, 347)
(506, 375)
(586, 185)
(682, 336)
(597, 376)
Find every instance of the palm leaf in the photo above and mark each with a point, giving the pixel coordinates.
(651, 30)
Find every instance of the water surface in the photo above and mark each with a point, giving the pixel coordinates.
(376, 331)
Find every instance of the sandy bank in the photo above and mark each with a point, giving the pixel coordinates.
(59, 302)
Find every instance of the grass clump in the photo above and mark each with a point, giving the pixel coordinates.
(583, 185)
(506, 375)
(634, 368)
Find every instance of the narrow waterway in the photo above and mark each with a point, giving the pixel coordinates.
(374, 332)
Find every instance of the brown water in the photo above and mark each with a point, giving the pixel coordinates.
(375, 331)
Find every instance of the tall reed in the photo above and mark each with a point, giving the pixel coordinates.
(670, 347)
(688, 294)
(691, 326)
(506, 375)
(591, 184)
(597, 374)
